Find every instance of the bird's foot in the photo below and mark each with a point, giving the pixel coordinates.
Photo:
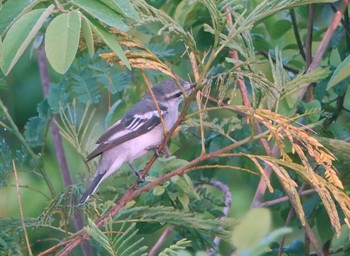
(140, 179)
(137, 173)
(159, 153)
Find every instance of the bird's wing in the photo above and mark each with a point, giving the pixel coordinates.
(130, 126)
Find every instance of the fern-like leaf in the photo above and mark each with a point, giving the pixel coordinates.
(100, 237)
(172, 249)
(123, 244)
(5, 160)
(168, 215)
(8, 246)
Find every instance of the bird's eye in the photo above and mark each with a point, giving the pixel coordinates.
(177, 95)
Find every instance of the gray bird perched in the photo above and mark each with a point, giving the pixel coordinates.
(137, 132)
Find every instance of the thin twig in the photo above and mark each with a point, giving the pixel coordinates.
(155, 102)
(345, 21)
(291, 214)
(234, 55)
(228, 201)
(288, 220)
(285, 198)
(30, 188)
(262, 186)
(285, 66)
(21, 209)
(161, 240)
(347, 29)
(313, 240)
(308, 48)
(296, 33)
(326, 39)
(194, 65)
(308, 42)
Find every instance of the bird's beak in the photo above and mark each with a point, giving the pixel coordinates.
(190, 87)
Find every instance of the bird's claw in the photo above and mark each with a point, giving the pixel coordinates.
(140, 179)
(137, 173)
(157, 152)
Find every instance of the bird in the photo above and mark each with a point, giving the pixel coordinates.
(138, 131)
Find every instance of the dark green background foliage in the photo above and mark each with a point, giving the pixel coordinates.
(87, 94)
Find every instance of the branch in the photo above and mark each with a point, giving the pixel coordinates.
(308, 48)
(161, 240)
(134, 192)
(194, 65)
(296, 33)
(285, 198)
(326, 39)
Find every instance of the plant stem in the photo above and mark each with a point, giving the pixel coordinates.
(21, 210)
(20, 137)
(161, 240)
(296, 33)
(308, 48)
(57, 139)
(225, 189)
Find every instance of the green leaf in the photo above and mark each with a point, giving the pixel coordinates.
(11, 10)
(253, 228)
(36, 127)
(315, 107)
(34, 131)
(101, 238)
(20, 35)
(340, 73)
(296, 247)
(346, 103)
(324, 227)
(9, 245)
(87, 34)
(43, 109)
(343, 239)
(179, 245)
(103, 13)
(1, 54)
(123, 7)
(183, 10)
(268, 239)
(158, 190)
(110, 40)
(111, 111)
(86, 89)
(185, 200)
(62, 40)
(280, 27)
(57, 97)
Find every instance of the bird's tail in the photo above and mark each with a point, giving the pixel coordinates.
(94, 183)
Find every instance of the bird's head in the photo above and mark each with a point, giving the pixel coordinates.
(169, 91)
